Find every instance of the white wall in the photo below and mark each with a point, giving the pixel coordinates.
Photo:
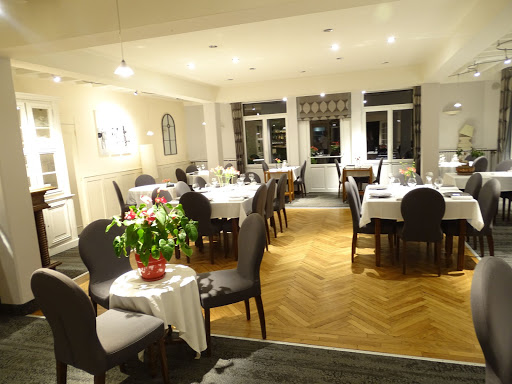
(228, 134)
(196, 140)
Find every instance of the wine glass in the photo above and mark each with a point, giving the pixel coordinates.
(438, 182)
(391, 178)
(195, 186)
(202, 167)
(429, 176)
(240, 181)
(411, 182)
(214, 182)
(242, 177)
(251, 178)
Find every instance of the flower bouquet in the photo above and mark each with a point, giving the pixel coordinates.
(229, 173)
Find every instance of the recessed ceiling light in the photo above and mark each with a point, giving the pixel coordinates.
(385, 62)
(322, 94)
(476, 74)
(364, 101)
(235, 60)
(230, 79)
(149, 133)
(136, 93)
(328, 30)
(252, 69)
(335, 47)
(391, 39)
(302, 71)
(507, 61)
(57, 79)
(191, 66)
(212, 46)
(339, 58)
(285, 98)
(457, 105)
(203, 123)
(363, 92)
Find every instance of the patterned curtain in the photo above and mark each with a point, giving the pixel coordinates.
(332, 106)
(416, 127)
(238, 127)
(505, 123)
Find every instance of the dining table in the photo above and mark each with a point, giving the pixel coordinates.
(383, 202)
(135, 193)
(504, 178)
(292, 173)
(192, 176)
(174, 299)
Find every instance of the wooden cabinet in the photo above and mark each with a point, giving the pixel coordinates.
(60, 224)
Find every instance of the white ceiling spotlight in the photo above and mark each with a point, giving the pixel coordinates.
(507, 60)
(235, 60)
(335, 47)
(123, 70)
(322, 94)
(285, 98)
(57, 79)
(136, 93)
(150, 133)
(191, 66)
(391, 39)
(203, 123)
(328, 30)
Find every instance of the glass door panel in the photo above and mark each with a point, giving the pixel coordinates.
(377, 135)
(254, 141)
(402, 134)
(277, 129)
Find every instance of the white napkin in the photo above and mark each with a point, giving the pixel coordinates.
(462, 197)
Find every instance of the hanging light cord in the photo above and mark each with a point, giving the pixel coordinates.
(119, 24)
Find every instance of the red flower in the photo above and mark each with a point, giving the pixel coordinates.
(130, 215)
(162, 200)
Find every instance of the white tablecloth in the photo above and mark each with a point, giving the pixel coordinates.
(448, 167)
(389, 208)
(505, 179)
(277, 172)
(231, 201)
(174, 299)
(191, 177)
(135, 193)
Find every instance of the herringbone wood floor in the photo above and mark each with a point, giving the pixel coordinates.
(313, 294)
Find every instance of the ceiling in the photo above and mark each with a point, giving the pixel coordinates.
(275, 40)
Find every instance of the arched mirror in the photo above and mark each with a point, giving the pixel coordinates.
(169, 135)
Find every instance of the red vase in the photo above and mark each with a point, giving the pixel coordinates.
(155, 269)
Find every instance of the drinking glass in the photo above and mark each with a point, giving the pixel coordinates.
(391, 178)
(202, 167)
(195, 186)
(411, 182)
(242, 176)
(438, 182)
(214, 182)
(240, 182)
(429, 176)
(251, 178)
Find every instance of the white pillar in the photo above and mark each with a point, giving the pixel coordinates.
(213, 134)
(16, 212)
(430, 110)
(292, 132)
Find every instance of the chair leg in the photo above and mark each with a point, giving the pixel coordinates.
(354, 244)
(285, 218)
(207, 331)
(508, 212)
(481, 238)
(273, 224)
(62, 372)
(152, 360)
(503, 210)
(268, 232)
(247, 309)
(163, 360)
(428, 249)
(100, 379)
(404, 258)
(280, 222)
(490, 243)
(391, 241)
(437, 251)
(304, 188)
(475, 244)
(226, 244)
(448, 245)
(95, 306)
(210, 239)
(261, 314)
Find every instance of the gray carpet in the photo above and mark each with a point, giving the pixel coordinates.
(26, 350)
(317, 200)
(72, 265)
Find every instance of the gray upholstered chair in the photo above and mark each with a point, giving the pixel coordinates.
(300, 181)
(228, 165)
(96, 250)
(144, 180)
(401, 177)
(200, 182)
(124, 207)
(387, 226)
(181, 175)
(269, 208)
(379, 171)
(82, 340)
(198, 207)
(191, 168)
(422, 210)
(492, 313)
(181, 188)
(488, 200)
(224, 287)
(256, 177)
(264, 166)
(340, 182)
(355, 187)
(504, 166)
(474, 185)
(280, 200)
(259, 200)
(160, 193)
(480, 164)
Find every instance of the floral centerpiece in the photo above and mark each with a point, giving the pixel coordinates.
(277, 160)
(314, 150)
(335, 147)
(229, 173)
(224, 175)
(167, 182)
(408, 171)
(154, 232)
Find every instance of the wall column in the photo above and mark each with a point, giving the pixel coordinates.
(430, 110)
(17, 225)
(213, 134)
(292, 132)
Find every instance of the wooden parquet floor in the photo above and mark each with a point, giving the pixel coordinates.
(313, 294)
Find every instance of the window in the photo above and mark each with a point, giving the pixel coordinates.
(44, 160)
(265, 132)
(169, 135)
(389, 125)
(325, 140)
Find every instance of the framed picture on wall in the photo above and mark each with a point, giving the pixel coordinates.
(114, 136)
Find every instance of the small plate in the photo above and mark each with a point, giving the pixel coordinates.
(381, 195)
(377, 187)
(450, 194)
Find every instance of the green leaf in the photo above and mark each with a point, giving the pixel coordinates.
(191, 231)
(161, 216)
(186, 249)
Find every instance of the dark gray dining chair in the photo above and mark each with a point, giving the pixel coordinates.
(160, 193)
(504, 166)
(280, 200)
(123, 206)
(224, 287)
(228, 165)
(197, 207)
(264, 166)
(181, 175)
(474, 185)
(84, 341)
(96, 249)
(181, 188)
(200, 182)
(480, 164)
(422, 210)
(379, 170)
(340, 182)
(488, 200)
(269, 208)
(355, 187)
(300, 181)
(144, 180)
(491, 310)
(257, 178)
(191, 168)
(387, 226)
